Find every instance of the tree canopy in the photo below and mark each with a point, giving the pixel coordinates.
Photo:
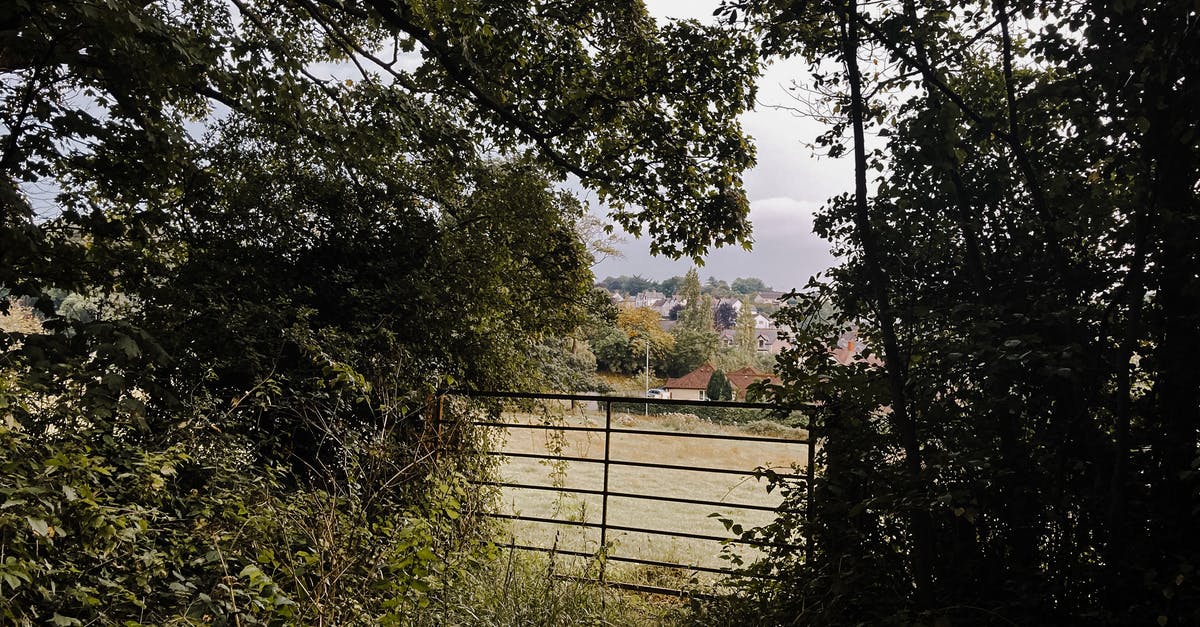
(696, 340)
(631, 285)
(724, 316)
(242, 172)
(1018, 254)
(258, 235)
(748, 285)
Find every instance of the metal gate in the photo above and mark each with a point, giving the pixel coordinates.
(606, 491)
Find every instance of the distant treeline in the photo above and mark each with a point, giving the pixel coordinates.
(630, 285)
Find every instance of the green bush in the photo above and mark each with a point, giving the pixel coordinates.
(95, 529)
(719, 388)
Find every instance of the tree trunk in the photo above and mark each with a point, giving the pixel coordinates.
(920, 521)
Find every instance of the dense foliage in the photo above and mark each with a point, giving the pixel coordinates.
(257, 237)
(696, 340)
(1023, 449)
(724, 316)
(633, 341)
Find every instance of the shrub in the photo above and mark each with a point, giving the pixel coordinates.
(99, 529)
(719, 388)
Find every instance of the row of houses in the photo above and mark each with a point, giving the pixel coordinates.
(770, 338)
(663, 304)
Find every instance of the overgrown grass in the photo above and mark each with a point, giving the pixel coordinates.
(521, 588)
(770, 428)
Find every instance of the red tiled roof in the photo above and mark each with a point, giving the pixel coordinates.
(742, 378)
(694, 380)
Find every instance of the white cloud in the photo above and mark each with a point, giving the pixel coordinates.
(782, 217)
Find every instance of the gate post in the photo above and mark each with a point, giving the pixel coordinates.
(812, 476)
(604, 496)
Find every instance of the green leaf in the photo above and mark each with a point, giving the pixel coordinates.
(39, 526)
(128, 346)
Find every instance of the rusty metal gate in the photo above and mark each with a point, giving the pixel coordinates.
(607, 491)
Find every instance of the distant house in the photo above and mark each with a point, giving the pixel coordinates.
(743, 378)
(664, 308)
(771, 341)
(732, 302)
(648, 298)
(849, 347)
(846, 349)
(767, 298)
(692, 385)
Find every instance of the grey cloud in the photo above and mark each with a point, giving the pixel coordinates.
(785, 188)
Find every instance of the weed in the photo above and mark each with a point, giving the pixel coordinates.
(545, 589)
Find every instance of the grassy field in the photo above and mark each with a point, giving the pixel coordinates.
(680, 517)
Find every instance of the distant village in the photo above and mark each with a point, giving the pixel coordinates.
(770, 338)
(748, 338)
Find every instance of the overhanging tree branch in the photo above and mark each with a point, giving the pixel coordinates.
(394, 14)
(1019, 150)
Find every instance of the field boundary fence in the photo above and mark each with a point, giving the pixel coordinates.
(607, 491)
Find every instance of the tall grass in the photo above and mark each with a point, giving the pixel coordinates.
(523, 588)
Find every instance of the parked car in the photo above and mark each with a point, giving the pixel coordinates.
(657, 393)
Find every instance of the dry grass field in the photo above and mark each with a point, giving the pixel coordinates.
(623, 511)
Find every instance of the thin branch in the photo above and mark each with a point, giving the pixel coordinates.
(393, 14)
(1020, 153)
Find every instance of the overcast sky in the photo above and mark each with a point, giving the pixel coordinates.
(786, 186)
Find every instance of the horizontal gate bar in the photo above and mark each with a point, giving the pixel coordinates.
(549, 488)
(628, 495)
(564, 458)
(712, 436)
(629, 400)
(619, 558)
(544, 549)
(724, 471)
(655, 532)
(552, 521)
(639, 587)
(694, 536)
(530, 425)
(617, 462)
(669, 434)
